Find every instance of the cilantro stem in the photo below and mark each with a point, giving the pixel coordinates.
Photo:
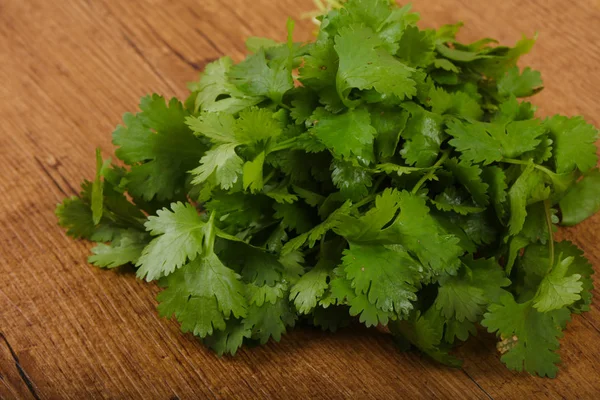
(522, 162)
(209, 235)
(286, 144)
(431, 171)
(364, 201)
(377, 183)
(550, 234)
(269, 176)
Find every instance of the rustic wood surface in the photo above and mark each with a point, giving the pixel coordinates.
(70, 68)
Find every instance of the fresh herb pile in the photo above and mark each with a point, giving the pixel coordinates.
(382, 173)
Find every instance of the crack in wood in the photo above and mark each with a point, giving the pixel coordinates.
(238, 16)
(590, 323)
(139, 52)
(177, 54)
(477, 384)
(208, 40)
(49, 175)
(24, 376)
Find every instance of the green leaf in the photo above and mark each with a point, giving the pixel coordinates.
(294, 217)
(180, 234)
(389, 125)
(202, 295)
(423, 236)
(125, 249)
(525, 84)
(385, 274)
(557, 290)
(228, 340)
(334, 131)
(317, 232)
(257, 76)
(365, 64)
(451, 200)
(218, 127)
(223, 162)
(457, 103)
(422, 332)
(582, 200)
(573, 143)
(320, 65)
(529, 184)
(423, 134)
(467, 295)
(490, 142)
(253, 173)
(311, 287)
(470, 177)
(530, 338)
(97, 189)
(353, 181)
(416, 47)
(270, 320)
(215, 93)
(159, 147)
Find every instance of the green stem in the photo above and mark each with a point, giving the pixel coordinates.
(522, 162)
(269, 176)
(377, 183)
(364, 201)
(286, 144)
(550, 234)
(431, 172)
(209, 235)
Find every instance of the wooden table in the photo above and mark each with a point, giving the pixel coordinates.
(70, 68)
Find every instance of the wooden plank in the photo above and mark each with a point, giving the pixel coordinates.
(68, 72)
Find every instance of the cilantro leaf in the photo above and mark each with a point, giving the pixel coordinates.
(423, 135)
(365, 64)
(159, 147)
(124, 249)
(466, 296)
(422, 235)
(215, 93)
(223, 161)
(344, 134)
(416, 47)
(353, 181)
(385, 274)
(179, 237)
(525, 84)
(203, 295)
(487, 143)
(257, 76)
(573, 143)
(530, 336)
(557, 290)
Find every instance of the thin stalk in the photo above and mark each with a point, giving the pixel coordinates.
(377, 183)
(522, 162)
(550, 234)
(364, 201)
(431, 172)
(286, 144)
(209, 234)
(269, 176)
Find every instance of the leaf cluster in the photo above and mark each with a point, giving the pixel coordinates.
(384, 173)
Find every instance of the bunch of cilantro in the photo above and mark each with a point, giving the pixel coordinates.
(383, 173)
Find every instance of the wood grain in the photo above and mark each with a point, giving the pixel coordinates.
(70, 68)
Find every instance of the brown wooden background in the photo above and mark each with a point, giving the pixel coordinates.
(70, 68)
